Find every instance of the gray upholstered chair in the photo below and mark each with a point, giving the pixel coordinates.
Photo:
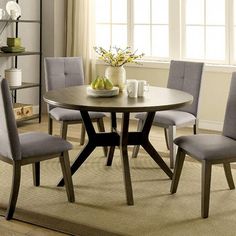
(185, 76)
(22, 149)
(210, 149)
(63, 72)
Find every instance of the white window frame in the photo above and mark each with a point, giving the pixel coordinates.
(177, 35)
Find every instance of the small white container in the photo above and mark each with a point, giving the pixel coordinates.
(14, 76)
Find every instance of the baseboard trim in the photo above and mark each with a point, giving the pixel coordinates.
(210, 125)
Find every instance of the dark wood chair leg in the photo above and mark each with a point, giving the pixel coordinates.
(166, 138)
(14, 190)
(65, 166)
(101, 128)
(206, 185)
(228, 175)
(177, 171)
(50, 124)
(111, 151)
(195, 127)
(63, 129)
(36, 173)
(137, 147)
(110, 155)
(172, 146)
(82, 135)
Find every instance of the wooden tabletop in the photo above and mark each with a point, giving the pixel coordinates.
(156, 99)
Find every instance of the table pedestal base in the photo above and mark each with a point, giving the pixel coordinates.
(122, 139)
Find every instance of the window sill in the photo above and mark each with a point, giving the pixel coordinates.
(165, 65)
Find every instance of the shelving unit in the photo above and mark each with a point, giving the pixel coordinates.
(27, 85)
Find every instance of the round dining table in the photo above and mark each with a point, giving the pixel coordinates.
(155, 99)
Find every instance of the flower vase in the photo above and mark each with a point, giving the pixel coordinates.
(117, 75)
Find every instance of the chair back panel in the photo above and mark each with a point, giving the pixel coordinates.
(61, 72)
(186, 76)
(9, 139)
(229, 128)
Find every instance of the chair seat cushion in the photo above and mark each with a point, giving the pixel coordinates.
(62, 114)
(207, 146)
(39, 144)
(170, 117)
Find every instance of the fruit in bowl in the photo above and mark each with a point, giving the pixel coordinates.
(101, 83)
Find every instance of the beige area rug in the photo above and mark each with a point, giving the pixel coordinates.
(100, 207)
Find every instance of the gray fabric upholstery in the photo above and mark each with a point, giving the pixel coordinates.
(186, 76)
(229, 128)
(61, 72)
(171, 117)
(15, 146)
(63, 114)
(9, 140)
(208, 146)
(40, 144)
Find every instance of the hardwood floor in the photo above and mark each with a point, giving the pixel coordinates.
(14, 227)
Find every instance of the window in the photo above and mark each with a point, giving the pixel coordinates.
(149, 21)
(205, 31)
(111, 23)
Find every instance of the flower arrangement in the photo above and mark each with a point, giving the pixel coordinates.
(117, 57)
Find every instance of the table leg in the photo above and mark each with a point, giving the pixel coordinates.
(125, 159)
(148, 146)
(94, 140)
(112, 148)
(81, 157)
(157, 158)
(89, 147)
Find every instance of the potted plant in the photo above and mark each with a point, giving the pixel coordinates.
(116, 58)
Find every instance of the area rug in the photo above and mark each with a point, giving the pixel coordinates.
(101, 209)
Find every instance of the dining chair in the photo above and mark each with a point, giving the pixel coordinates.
(63, 72)
(185, 76)
(210, 149)
(22, 149)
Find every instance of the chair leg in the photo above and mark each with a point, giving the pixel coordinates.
(50, 125)
(172, 146)
(110, 155)
(101, 128)
(228, 175)
(65, 166)
(63, 129)
(206, 185)
(195, 126)
(36, 173)
(14, 190)
(82, 135)
(136, 147)
(177, 171)
(166, 138)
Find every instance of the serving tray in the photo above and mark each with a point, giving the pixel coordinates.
(103, 92)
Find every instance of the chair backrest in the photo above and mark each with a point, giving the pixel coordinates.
(61, 72)
(229, 128)
(9, 138)
(186, 76)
